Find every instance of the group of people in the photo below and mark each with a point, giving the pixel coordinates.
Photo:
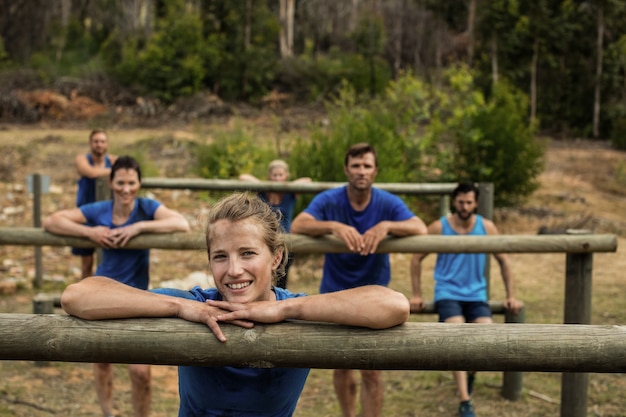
(248, 257)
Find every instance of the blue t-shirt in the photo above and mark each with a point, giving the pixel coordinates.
(129, 266)
(349, 270)
(461, 276)
(230, 391)
(285, 208)
(87, 186)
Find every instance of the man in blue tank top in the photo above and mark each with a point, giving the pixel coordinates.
(361, 216)
(90, 166)
(460, 284)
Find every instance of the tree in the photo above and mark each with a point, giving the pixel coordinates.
(497, 17)
(286, 16)
(599, 54)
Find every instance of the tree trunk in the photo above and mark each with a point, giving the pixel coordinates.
(397, 60)
(494, 58)
(247, 33)
(471, 16)
(291, 8)
(600, 53)
(533, 82)
(439, 34)
(354, 15)
(286, 12)
(66, 10)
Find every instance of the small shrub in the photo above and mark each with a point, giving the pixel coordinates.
(618, 133)
(231, 154)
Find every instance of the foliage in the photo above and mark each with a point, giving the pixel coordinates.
(425, 134)
(618, 131)
(388, 123)
(230, 154)
(616, 80)
(174, 48)
(246, 53)
(320, 78)
(496, 145)
(171, 63)
(73, 52)
(4, 56)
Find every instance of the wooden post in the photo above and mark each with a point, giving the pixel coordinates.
(485, 200)
(485, 209)
(578, 273)
(444, 205)
(103, 192)
(38, 280)
(512, 381)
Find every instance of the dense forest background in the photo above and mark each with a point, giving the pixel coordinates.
(568, 56)
(447, 90)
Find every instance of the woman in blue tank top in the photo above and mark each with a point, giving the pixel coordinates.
(247, 252)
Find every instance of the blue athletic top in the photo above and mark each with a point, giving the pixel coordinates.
(230, 391)
(285, 208)
(349, 270)
(461, 276)
(87, 186)
(129, 266)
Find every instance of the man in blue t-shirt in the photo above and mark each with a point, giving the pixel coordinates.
(460, 284)
(361, 216)
(90, 166)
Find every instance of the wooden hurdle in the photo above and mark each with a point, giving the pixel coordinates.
(410, 346)
(578, 248)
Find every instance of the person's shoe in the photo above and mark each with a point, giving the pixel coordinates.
(470, 382)
(466, 409)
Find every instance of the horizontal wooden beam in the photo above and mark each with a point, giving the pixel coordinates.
(583, 243)
(312, 187)
(411, 346)
(54, 300)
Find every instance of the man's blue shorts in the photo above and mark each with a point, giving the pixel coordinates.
(471, 310)
(82, 251)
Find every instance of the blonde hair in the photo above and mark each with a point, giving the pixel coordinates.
(278, 163)
(244, 205)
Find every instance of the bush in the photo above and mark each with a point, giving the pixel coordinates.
(617, 115)
(618, 134)
(497, 145)
(169, 65)
(428, 134)
(322, 77)
(232, 153)
(386, 123)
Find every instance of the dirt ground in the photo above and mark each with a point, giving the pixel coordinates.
(582, 187)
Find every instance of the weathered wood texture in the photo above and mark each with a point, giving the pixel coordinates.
(329, 244)
(577, 310)
(411, 346)
(312, 187)
(44, 303)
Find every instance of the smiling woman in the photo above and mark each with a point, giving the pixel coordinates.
(246, 250)
(111, 224)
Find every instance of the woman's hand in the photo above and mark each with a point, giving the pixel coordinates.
(210, 313)
(258, 311)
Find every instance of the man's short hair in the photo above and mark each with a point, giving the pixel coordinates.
(360, 149)
(95, 132)
(465, 187)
